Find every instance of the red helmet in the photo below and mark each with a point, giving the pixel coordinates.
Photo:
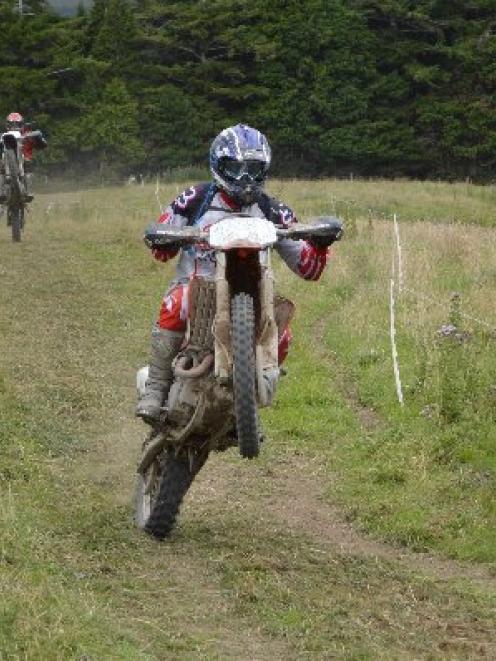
(14, 122)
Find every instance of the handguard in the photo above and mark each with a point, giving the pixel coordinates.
(323, 232)
(158, 235)
(328, 229)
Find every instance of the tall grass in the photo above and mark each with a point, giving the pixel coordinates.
(424, 474)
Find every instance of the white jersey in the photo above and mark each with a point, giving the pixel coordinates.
(203, 205)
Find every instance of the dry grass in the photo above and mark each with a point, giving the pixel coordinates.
(438, 202)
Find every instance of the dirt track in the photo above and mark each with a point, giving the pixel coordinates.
(282, 499)
(291, 493)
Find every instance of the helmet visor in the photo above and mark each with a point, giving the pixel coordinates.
(235, 170)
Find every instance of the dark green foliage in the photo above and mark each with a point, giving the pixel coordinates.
(374, 87)
(24, 56)
(113, 36)
(316, 64)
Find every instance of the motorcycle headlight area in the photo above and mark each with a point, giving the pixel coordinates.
(242, 232)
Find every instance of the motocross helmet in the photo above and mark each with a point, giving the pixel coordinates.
(239, 161)
(14, 122)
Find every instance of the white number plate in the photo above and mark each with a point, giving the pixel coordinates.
(242, 232)
(16, 134)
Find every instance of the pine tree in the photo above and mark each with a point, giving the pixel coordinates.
(316, 63)
(115, 35)
(25, 59)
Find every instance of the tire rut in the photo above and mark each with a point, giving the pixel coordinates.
(110, 469)
(292, 492)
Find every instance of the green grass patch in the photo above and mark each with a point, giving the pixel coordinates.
(77, 299)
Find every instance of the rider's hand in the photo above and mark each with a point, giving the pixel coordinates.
(164, 253)
(321, 242)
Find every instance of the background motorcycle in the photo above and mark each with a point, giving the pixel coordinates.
(11, 144)
(228, 366)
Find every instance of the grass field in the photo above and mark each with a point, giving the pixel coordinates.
(365, 530)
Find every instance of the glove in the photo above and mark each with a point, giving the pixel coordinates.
(164, 253)
(163, 247)
(321, 242)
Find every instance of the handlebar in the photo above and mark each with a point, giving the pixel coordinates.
(15, 136)
(327, 229)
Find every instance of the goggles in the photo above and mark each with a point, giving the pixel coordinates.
(14, 126)
(237, 169)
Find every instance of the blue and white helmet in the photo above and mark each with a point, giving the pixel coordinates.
(239, 161)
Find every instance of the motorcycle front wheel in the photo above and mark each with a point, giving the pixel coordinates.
(244, 381)
(13, 171)
(16, 221)
(160, 492)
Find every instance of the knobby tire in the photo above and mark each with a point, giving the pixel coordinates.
(13, 171)
(15, 207)
(244, 381)
(16, 221)
(175, 481)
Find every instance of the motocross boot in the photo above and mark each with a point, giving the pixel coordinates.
(164, 348)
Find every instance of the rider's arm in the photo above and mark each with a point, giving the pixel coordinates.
(41, 142)
(164, 254)
(36, 139)
(306, 260)
(181, 212)
(303, 258)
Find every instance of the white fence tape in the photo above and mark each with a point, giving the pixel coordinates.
(394, 351)
(398, 254)
(397, 270)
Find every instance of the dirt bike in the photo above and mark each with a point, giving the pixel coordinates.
(15, 180)
(228, 366)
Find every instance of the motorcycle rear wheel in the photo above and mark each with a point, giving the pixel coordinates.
(244, 381)
(156, 510)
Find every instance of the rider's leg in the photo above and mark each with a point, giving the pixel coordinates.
(283, 312)
(165, 345)
(28, 197)
(167, 337)
(284, 341)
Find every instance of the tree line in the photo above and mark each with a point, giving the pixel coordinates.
(372, 87)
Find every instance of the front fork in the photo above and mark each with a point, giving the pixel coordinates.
(266, 342)
(5, 177)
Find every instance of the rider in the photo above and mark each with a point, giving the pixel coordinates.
(239, 162)
(32, 140)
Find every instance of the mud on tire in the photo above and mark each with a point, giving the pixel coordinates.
(174, 481)
(244, 381)
(16, 221)
(15, 210)
(13, 170)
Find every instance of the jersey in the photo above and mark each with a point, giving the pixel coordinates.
(33, 140)
(204, 204)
